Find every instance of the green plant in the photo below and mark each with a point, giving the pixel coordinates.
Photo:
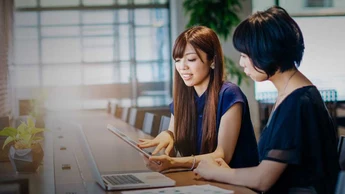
(221, 16)
(24, 136)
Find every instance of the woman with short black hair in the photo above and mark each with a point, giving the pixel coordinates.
(298, 146)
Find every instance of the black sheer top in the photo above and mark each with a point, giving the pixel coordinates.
(300, 133)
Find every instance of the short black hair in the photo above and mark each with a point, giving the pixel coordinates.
(272, 39)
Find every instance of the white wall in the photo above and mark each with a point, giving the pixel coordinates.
(178, 23)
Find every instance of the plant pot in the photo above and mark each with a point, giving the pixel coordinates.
(26, 160)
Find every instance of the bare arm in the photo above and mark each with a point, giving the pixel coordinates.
(229, 129)
(261, 177)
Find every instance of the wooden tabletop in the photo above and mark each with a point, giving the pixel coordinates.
(110, 152)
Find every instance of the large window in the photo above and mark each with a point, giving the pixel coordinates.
(69, 43)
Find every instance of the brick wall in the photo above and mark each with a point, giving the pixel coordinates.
(6, 26)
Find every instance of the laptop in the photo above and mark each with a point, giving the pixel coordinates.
(123, 181)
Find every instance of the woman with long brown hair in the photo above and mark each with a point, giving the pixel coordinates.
(210, 117)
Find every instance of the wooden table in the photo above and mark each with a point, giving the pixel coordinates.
(110, 152)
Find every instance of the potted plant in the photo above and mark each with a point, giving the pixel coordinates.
(25, 152)
(221, 16)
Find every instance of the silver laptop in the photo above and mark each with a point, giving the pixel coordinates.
(123, 181)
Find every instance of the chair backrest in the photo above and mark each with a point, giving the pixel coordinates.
(113, 107)
(124, 114)
(341, 152)
(164, 124)
(132, 116)
(340, 188)
(148, 123)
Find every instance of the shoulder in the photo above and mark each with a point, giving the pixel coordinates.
(229, 95)
(231, 90)
(304, 97)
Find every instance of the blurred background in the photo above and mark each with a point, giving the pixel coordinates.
(59, 55)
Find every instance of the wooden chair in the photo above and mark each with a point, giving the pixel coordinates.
(164, 124)
(113, 108)
(341, 152)
(132, 116)
(148, 123)
(124, 113)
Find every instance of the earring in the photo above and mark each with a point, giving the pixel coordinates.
(212, 65)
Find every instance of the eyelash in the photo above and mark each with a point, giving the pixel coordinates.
(190, 60)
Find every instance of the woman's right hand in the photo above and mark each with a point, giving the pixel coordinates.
(163, 140)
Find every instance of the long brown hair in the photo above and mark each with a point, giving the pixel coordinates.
(185, 114)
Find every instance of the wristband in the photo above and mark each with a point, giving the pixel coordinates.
(194, 160)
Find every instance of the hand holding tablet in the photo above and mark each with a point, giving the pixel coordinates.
(128, 140)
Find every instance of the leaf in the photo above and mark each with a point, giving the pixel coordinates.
(37, 138)
(26, 137)
(30, 122)
(9, 131)
(7, 141)
(21, 128)
(36, 130)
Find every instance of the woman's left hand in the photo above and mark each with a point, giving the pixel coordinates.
(158, 163)
(207, 168)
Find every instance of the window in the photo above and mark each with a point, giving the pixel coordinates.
(92, 42)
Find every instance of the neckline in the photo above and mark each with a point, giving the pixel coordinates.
(197, 96)
(288, 96)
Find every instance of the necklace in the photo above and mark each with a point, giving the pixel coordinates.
(287, 83)
(284, 90)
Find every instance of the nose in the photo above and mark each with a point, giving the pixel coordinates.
(183, 65)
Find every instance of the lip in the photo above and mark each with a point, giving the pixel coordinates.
(186, 76)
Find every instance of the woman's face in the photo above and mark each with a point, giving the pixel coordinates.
(255, 74)
(194, 70)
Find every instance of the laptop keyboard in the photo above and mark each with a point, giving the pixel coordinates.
(122, 179)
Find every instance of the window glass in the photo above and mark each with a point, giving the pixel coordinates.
(98, 17)
(26, 52)
(62, 75)
(100, 74)
(55, 3)
(25, 3)
(122, 16)
(98, 2)
(124, 74)
(123, 42)
(59, 17)
(61, 50)
(25, 18)
(60, 31)
(82, 46)
(97, 30)
(26, 76)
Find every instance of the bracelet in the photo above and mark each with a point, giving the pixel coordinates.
(194, 160)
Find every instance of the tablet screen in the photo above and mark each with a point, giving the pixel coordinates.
(128, 140)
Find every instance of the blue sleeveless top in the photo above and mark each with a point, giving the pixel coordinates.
(246, 152)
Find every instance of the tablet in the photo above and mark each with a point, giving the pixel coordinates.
(128, 140)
